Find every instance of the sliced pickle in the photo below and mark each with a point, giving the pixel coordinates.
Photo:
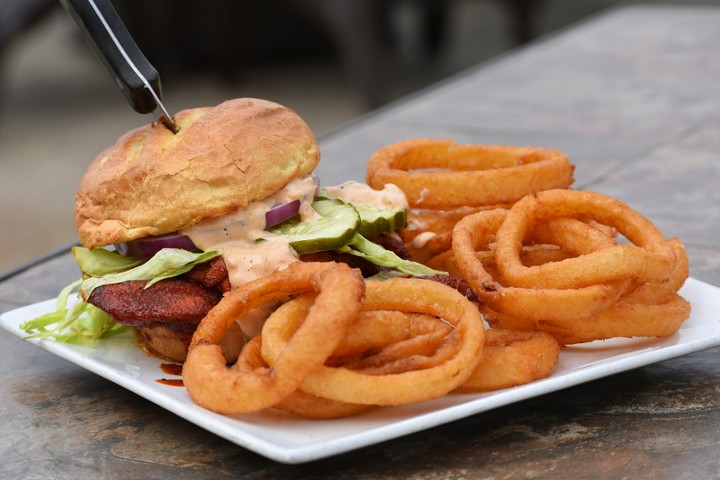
(374, 220)
(337, 225)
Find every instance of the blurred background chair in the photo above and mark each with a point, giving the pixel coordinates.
(181, 36)
(16, 16)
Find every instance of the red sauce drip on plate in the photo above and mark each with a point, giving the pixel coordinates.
(171, 369)
(171, 382)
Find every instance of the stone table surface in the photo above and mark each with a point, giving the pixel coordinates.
(632, 96)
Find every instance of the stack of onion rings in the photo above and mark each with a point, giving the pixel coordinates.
(597, 287)
(404, 379)
(339, 346)
(445, 181)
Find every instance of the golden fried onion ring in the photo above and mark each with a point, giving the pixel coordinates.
(465, 344)
(298, 403)
(652, 309)
(383, 341)
(512, 358)
(649, 258)
(622, 319)
(211, 384)
(466, 175)
(376, 329)
(478, 230)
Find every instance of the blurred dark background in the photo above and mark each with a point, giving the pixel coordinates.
(365, 37)
(330, 60)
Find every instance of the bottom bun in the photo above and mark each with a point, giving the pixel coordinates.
(173, 345)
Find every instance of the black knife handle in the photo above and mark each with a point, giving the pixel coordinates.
(118, 54)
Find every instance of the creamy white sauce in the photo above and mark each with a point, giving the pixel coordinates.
(421, 239)
(249, 251)
(251, 323)
(423, 193)
(246, 261)
(415, 223)
(390, 197)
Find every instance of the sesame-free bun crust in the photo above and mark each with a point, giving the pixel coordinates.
(152, 182)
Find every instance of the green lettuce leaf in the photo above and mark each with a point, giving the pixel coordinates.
(167, 263)
(362, 247)
(99, 262)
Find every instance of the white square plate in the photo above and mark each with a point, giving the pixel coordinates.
(291, 440)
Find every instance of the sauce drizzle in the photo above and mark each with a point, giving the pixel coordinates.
(171, 369)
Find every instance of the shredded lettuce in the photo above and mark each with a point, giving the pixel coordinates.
(81, 324)
(362, 247)
(84, 323)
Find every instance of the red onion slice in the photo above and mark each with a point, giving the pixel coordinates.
(149, 246)
(281, 213)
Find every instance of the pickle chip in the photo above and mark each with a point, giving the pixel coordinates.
(375, 220)
(337, 225)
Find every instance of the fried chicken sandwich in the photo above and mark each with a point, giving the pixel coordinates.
(170, 222)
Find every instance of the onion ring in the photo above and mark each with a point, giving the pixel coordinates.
(531, 255)
(379, 336)
(529, 303)
(622, 319)
(422, 351)
(298, 403)
(409, 295)
(305, 405)
(652, 309)
(661, 292)
(575, 236)
(379, 342)
(212, 385)
(370, 333)
(512, 358)
(469, 175)
(650, 258)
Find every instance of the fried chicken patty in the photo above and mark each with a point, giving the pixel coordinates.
(175, 303)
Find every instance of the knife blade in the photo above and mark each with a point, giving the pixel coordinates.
(138, 80)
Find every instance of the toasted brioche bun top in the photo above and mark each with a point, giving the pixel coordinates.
(152, 182)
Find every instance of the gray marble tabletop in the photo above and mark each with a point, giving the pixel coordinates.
(633, 97)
